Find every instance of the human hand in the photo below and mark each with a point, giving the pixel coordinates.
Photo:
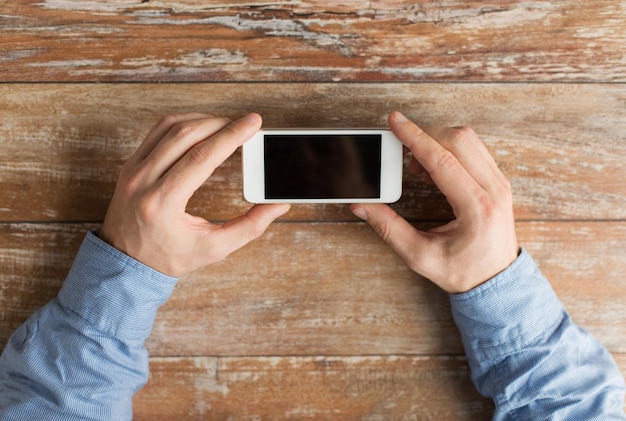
(481, 241)
(147, 219)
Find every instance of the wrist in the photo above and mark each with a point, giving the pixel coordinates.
(507, 312)
(114, 292)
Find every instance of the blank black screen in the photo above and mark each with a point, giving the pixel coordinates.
(322, 166)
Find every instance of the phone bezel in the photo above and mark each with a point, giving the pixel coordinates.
(391, 166)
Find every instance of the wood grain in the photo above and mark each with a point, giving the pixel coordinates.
(320, 388)
(323, 289)
(318, 319)
(35, 260)
(316, 40)
(305, 388)
(562, 146)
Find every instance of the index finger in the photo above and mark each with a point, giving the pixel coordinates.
(193, 169)
(472, 153)
(442, 165)
(159, 131)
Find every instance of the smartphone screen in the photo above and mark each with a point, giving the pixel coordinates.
(325, 166)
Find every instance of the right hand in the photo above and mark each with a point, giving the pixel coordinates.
(481, 241)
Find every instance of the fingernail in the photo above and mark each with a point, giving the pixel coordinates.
(252, 119)
(399, 117)
(359, 212)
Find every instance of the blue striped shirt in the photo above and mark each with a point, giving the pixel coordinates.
(527, 354)
(82, 356)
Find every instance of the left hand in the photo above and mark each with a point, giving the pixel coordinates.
(147, 217)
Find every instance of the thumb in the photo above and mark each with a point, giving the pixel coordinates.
(407, 241)
(238, 232)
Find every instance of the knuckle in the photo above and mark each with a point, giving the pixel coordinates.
(489, 210)
(199, 154)
(149, 207)
(484, 202)
(132, 183)
(224, 125)
(463, 134)
(130, 180)
(230, 130)
(504, 189)
(446, 160)
(413, 135)
(384, 227)
(182, 129)
(126, 171)
(416, 130)
(384, 230)
(168, 120)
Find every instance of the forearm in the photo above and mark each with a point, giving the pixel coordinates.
(527, 354)
(82, 355)
(58, 366)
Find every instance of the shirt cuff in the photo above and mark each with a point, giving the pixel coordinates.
(114, 292)
(509, 312)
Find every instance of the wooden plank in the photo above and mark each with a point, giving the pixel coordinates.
(323, 289)
(283, 388)
(35, 260)
(586, 264)
(562, 146)
(303, 388)
(315, 40)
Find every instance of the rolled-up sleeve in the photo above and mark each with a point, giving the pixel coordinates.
(82, 356)
(527, 354)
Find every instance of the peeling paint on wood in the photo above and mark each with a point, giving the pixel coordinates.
(315, 333)
(303, 388)
(63, 40)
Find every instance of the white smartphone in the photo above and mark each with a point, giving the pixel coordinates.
(322, 166)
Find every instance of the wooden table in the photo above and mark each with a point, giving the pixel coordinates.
(318, 319)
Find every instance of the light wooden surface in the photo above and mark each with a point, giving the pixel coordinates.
(318, 319)
(315, 40)
(562, 146)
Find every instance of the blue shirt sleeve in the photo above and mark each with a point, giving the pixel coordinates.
(525, 352)
(82, 356)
